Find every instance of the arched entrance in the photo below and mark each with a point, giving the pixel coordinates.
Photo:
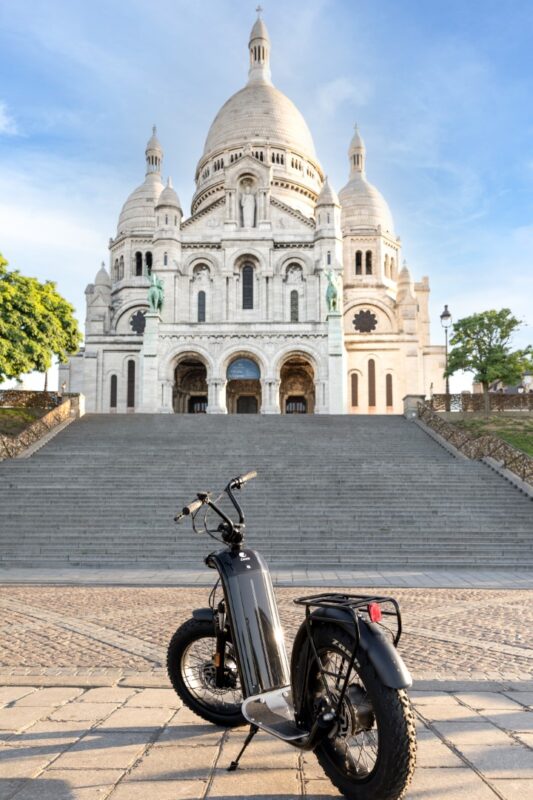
(243, 388)
(190, 386)
(297, 386)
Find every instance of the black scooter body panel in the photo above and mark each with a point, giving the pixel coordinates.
(253, 614)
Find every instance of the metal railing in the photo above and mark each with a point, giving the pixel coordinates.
(12, 446)
(477, 446)
(476, 402)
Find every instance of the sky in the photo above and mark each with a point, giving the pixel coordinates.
(441, 91)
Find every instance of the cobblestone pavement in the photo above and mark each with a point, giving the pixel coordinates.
(456, 634)
(128, 743)
(86, 712)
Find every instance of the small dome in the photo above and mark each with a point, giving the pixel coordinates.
(168, 196)
(259, 30)
(138, 212)
(153, 143)
(327, 196)
(102, 277)
(363, 206)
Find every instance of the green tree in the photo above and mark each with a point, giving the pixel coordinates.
(482, 344)
(36, 324)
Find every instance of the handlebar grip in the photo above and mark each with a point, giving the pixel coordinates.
(247, 477)
(192, 507)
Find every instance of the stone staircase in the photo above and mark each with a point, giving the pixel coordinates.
(332, 492)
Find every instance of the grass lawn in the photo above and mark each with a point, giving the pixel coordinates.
(516, 431)
(14, 420)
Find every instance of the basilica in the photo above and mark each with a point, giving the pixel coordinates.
(275, 296)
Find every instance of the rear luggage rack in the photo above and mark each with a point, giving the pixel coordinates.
(356, 604)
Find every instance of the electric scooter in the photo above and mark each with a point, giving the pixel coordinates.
(343, 694)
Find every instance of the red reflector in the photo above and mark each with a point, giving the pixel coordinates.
(374, 612)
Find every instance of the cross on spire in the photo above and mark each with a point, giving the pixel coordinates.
(259, 10)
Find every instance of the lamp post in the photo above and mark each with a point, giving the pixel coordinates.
(446, 321)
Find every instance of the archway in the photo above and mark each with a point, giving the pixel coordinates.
(243, 388)
(190, 386)
(297, 386)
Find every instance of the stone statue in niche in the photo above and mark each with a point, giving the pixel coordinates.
(248, 207)
(332, 291)
(155, 294)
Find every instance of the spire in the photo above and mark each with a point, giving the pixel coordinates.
(154, 154)
(259, 47)
(357, 154)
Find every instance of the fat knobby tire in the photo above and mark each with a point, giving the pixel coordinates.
(189, 632)
(396, 759)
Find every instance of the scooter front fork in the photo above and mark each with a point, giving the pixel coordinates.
(220, 653)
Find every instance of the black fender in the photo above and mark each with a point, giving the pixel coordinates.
(203, 614)
(381, 652)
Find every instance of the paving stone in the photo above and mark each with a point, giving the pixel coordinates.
(513, 761)
(13, 767)
(443, 710)
(82, 712)
(265, 752)
(71, 785)
(523, 698)
(432, 752)
(175, 764)
(199, 734)
(154, 698)
(111, 694)
(487, 700)
(520, 721)
(319, 789)
(514, 789)
(282, 785)
(145, 719)
(8, 694)
(49, 697)
(16, 718)
(452, 784)
(159, 790)
(53, 735)
(99, 750)
(476, 732)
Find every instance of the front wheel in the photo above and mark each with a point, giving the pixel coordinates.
(192, 672)
(371, 751)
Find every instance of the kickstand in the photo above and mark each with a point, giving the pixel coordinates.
(234, 764)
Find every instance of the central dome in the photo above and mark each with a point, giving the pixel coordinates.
(260, 113)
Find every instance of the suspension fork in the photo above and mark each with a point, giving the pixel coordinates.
(221, 639)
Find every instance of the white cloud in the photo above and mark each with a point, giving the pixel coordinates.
(8, 125)
(332, 95)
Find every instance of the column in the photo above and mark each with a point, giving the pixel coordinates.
(270, 396)
(336, 365)
(166, 401)
(150, 391)
(216, 396)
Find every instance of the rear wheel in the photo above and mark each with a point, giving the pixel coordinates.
(192, 672)
(371, 752)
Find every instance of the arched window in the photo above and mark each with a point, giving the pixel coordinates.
(359, 263)
(116, 270)
(387, 273)
(138, 264)
(201, 306)
(248, 286)
(392, 270)
(294, 305)
(148, 262)
(371, 383)
(121, 268)
(388, 391)
(113, 392)
(329, 257)
(355, 389)
(368, 262)
(165, 259)
(166, 219)
(131, 385)
(328, 218)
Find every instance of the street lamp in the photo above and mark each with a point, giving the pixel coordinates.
(446, 321)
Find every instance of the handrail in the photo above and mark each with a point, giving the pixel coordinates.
(478, 446)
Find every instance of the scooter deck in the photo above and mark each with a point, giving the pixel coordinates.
(274, 712)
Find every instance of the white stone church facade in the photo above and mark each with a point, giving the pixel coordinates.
(245, 325)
